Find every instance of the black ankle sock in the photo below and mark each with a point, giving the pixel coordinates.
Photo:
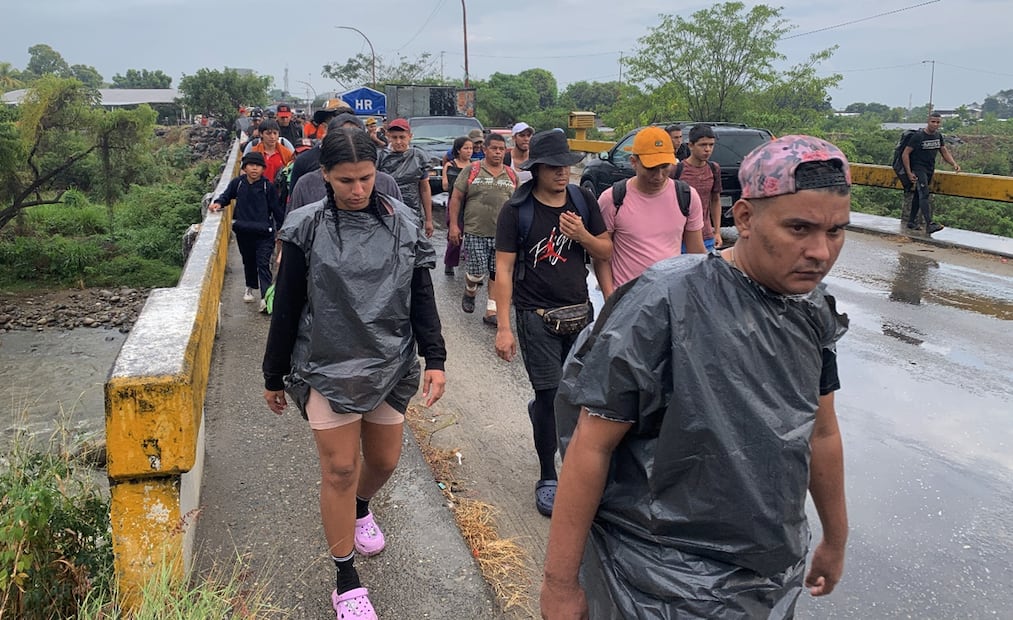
(348, 578)
(361, 507)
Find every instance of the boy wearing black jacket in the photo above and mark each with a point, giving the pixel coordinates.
(258, 214)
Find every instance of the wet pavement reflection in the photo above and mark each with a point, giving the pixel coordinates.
(926, 411)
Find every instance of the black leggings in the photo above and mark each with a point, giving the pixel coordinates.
(543, 422)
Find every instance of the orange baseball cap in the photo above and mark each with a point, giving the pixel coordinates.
(653, 147)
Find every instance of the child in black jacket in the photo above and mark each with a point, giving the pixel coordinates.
(257, 216)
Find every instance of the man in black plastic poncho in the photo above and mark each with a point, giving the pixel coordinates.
(699, 408)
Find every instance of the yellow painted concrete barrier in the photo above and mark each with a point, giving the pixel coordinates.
(154, 401)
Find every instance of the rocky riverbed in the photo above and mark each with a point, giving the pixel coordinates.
(110, 308)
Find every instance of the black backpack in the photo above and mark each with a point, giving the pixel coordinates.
(898, 164)
(681, 194)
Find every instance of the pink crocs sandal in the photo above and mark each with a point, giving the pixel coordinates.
(368, 537)
(353, 605)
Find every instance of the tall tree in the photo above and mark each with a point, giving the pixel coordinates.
(716, 57)
(44, 60)
(142, 79)
(597, 97)
(220, 93)
(56, 136)
(1000, 104)
(544, 84)
(504, 99)
(87, 75)
(796, 101)
(10, 78)
(358, 71)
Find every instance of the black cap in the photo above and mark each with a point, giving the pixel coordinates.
(254, 157)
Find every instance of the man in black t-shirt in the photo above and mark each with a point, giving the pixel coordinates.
(542, 235)
(919, 158)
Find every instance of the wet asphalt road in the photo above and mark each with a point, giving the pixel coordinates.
(926, 412)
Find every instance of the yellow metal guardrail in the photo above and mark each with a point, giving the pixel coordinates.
(966, 185)
(154, 401)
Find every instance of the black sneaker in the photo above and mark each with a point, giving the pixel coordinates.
(468, 303)
(491, 320)
(912, 226)
(934, 227)
(448, 270)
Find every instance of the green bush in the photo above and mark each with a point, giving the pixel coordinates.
(57, 258)
(75, 217)
(54, 537)
(135, 272)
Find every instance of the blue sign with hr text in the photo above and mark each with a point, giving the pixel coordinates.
(366, 101)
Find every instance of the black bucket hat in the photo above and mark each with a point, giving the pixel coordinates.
(550, 148)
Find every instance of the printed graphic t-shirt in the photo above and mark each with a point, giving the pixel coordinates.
(925, 147)
(554, 271)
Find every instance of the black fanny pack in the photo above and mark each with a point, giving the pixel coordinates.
(565, 320)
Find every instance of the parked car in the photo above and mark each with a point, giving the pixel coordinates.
(734, 142)
(435, 135)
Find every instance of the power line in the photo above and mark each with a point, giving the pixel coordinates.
(975, 70)
(907, 66)
(862, 19)
(439, 5)
(539, 57)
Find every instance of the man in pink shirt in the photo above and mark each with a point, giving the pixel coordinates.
(648, 225)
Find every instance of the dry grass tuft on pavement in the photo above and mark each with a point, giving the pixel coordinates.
(504, 563)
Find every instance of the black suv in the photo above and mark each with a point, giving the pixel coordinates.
(435, 135)
(734, 142)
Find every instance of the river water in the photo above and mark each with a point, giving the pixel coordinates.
(54, 380)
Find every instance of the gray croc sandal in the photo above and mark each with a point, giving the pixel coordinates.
(545, 496)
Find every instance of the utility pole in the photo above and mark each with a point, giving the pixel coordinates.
(464, 15)
(441, 64)
(932, 81)
(620, 67)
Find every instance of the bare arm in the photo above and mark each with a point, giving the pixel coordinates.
(581, 483)
(443, 177)
(948, 158)
(454, 208)
(426, 199)
(694, 241)
(716, 218)
(603, 271)
(506, 346)
(826, 485)
(905, 158)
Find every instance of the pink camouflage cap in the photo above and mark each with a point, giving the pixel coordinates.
(769, 169)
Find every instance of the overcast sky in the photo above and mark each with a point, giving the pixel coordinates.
(879, 57)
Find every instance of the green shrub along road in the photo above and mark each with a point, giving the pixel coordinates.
(136, 243)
